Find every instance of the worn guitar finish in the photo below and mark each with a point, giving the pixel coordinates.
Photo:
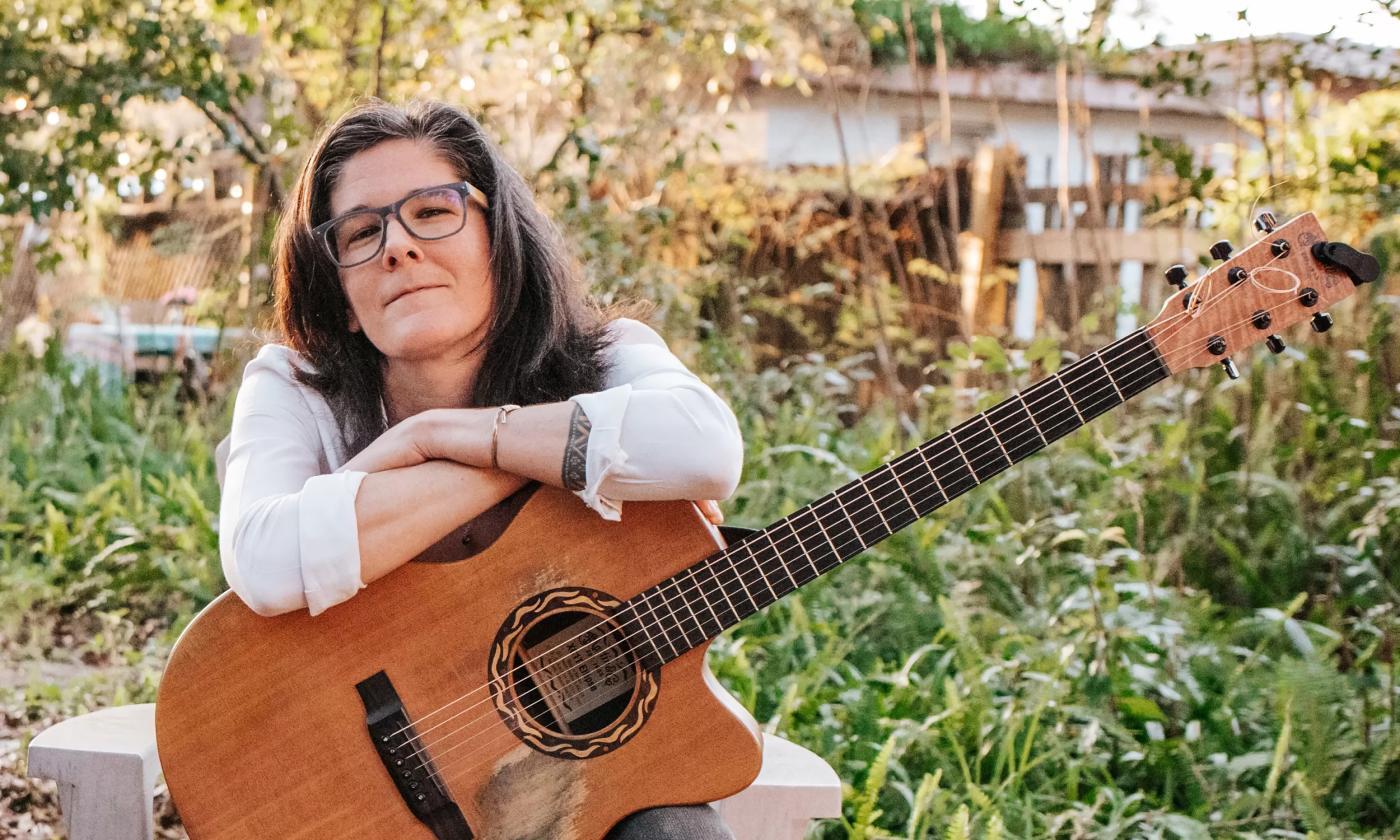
(262, 732)
(548, 678)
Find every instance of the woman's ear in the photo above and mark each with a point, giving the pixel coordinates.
(351, 321)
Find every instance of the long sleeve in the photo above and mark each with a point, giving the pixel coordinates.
(288, 536)
(657, 432)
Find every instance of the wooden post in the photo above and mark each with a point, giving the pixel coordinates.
(977, 245)
(1028, 270)
(1130, 271)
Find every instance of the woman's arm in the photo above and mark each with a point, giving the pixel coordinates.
(292, 537)
(658, 432)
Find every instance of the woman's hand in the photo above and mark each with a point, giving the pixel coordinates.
(404, 445)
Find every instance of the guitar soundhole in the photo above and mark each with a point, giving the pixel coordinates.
(564, 677)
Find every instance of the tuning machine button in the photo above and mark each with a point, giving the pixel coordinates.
(1321, 322)
(1176, 275)
(1274, 343)
(1265, 223)
(1230, 369)
(1222, 250)
(1359, 266)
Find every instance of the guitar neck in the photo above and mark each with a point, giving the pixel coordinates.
(687, 609)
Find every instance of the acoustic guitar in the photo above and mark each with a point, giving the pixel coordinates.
(540, 673)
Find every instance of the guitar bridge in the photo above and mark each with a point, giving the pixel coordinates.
(407, 762)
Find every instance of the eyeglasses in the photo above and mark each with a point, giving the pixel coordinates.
(430, 213)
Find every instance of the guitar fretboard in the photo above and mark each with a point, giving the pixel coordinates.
(699, 603)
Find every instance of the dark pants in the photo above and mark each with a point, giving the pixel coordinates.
(676, 822)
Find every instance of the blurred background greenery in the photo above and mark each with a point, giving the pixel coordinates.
(1178, 622)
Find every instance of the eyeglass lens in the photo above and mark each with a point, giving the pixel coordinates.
(434, 214)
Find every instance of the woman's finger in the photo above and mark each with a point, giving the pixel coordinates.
(710, 508)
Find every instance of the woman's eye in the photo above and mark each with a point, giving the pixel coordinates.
(363, 233)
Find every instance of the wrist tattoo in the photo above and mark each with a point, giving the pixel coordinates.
(576, 450)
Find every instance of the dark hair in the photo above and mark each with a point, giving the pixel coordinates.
(545, 342)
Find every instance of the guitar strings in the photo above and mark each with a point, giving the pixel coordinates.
(721, 585)
(759, 564)
(668, 600)
(439, 773)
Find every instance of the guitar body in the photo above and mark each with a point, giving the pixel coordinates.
(262, 722)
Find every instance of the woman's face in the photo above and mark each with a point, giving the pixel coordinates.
(416, 300)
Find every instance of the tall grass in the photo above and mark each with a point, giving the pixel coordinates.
(1178, 622)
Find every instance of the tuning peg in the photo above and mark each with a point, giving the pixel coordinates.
(1321, 322)
(1221, 250)
(1176, 275)
(1265, 223)
(1230, 369)
(1274, 343)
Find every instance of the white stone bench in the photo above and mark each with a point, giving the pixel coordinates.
(106, 767)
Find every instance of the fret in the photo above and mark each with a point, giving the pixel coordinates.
(1134, 364)
(1090, 389)
(914, 475)
(685, 599)
(912, 513)
(641, 626)
(816, 543)
(875, 503)
(836, 527)
(816, 572)
(1108, 373)
(657, 621)
(1059, 378)
(668, 600)
(923, 456)
(976, 437)
(719, 625)
(741, 594)
(1027, 409)
(753, 559)
(714, 576)
(768, 534)
(954, 476)
(1015, 429)
(856, 515)
(954, 438)
(1052, 408)
(826, 535)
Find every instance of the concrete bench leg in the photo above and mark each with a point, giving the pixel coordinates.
(794, 787)
(106, 766)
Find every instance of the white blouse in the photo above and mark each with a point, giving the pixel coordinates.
(288, 536)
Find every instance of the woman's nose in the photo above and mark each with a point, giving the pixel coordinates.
(399, 244)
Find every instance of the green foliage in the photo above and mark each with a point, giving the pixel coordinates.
(108, 507)
(1177, 623)
(971, 42)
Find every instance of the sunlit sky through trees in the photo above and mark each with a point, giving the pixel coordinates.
(1138, 22)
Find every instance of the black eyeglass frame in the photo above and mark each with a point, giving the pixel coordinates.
(464, 188)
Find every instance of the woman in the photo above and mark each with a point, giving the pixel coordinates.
(423, 297)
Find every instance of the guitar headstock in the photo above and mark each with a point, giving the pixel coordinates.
(1290, 275)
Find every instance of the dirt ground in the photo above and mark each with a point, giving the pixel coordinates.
(33, 696)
